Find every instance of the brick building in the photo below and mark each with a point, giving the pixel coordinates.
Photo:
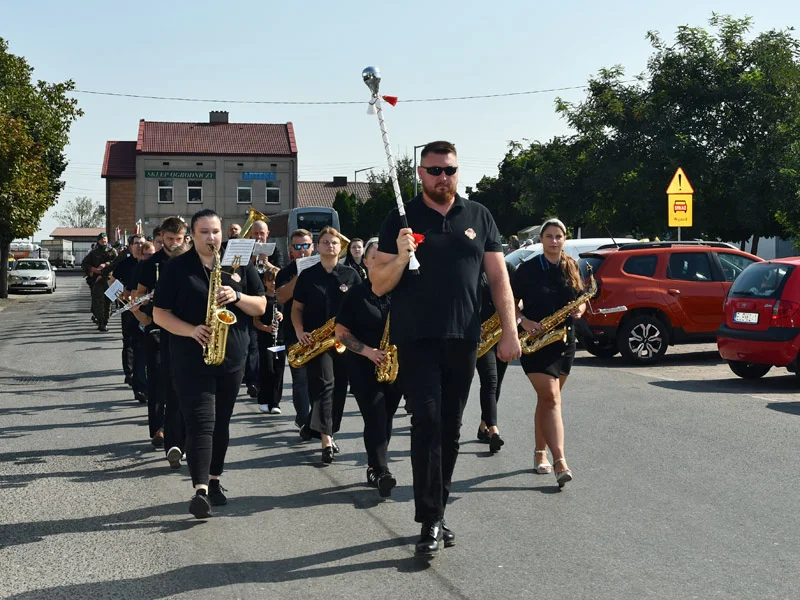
(180, 168)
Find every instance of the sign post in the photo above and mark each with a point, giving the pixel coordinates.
(679, 202)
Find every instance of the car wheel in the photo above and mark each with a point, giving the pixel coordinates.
(50, 290)
(642, 340)
(601, 351)
(747, 370)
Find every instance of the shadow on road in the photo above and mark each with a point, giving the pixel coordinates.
(768, 385)
(790, 408)
(708, 358)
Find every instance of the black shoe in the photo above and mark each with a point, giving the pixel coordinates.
(335, 447)
(102, 328)
(372, 477)
(94, 319)
(448, 535)
(252, 391)
(386, 482)
(327, 455)
(495, 443)
(429, 538)
(174, 457)
(141, 397)
(484, 435)
(199, 506)
(305, 433)
(128, 380)
(215, 495)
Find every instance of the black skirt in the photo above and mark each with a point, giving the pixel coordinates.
(554, 360)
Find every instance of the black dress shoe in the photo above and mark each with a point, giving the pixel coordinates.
(448, 535)
(327, 455)
(484, 435)
(252, 391)
(495, 443)
(386, 482)
(335, 447)
(141, 397)
(429, 539)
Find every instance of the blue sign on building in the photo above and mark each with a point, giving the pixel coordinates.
(252, 175)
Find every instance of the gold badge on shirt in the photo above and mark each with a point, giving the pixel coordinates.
(470, 233)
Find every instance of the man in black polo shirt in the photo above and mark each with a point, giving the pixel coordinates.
(123, 271)
(436, 323)
(301, 245)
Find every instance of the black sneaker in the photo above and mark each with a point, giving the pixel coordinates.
(327, 455)
(215, 495)
(495, 443)
(199, 506)
(386, 482)
(174, 456)
(372, 477)
(484, 435)
(141, 397)
(305, 433)
(102, 328)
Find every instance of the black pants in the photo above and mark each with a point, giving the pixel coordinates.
(491, 371)
(127, 343)
(327, 390)
(378, 403)
(155, 392)
(271, 366)
(174, 427)
(207, 402)
(251, 370)
(437, 375)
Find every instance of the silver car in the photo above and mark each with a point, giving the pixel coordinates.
(33, 274)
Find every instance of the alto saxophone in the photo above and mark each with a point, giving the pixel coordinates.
(386, 372)
(217, 318)
(551, 330)
(323, 340)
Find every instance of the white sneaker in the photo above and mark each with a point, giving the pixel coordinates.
(264, 408)
(275, 410)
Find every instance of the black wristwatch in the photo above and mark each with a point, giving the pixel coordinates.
(238, 296)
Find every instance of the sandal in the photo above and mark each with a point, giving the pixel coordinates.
(562, 477)
(543, 467)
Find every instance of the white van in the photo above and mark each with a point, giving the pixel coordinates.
(572, 247)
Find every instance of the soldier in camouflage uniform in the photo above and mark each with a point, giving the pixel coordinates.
(97, 266)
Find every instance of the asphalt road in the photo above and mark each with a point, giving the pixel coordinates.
(686, 487)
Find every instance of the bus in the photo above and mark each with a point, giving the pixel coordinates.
(313, 218)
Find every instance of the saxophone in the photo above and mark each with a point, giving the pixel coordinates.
(491, 332)
(386, 372)
(217, 318)
(551, 330)
(323, 340)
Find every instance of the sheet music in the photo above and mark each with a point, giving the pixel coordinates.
(266, 248)
(308, 261)
(115, 290)
(241, 248)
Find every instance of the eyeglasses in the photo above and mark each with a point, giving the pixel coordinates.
(305, 246)
(436, 171)
(331, 242)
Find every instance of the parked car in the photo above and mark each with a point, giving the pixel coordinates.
(762, 319)
(31, 274)
(573, 247)
(655, 294)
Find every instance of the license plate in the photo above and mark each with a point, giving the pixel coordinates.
(745, 317)
(28, 283)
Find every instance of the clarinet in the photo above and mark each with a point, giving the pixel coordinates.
(275, 323)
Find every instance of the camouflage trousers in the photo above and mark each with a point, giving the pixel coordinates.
(101, 305)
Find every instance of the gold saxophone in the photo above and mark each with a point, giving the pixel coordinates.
(323, 340)
(386, 372)
(491, 332)
(551, 330)
(217, 318)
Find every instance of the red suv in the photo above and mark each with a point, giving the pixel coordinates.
(655, 294)
(762, 319)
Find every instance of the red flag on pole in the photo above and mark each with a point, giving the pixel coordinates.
(390, 99)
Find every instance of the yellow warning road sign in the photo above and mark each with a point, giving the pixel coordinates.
(679, 200)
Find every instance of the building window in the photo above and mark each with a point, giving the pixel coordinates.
(165, 191)
(273, 192)
(194, 191)
(244, 192)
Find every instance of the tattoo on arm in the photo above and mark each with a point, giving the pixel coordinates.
(352, 343)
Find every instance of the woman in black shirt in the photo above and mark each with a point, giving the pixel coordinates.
(359, 326)
(355, 257)
(545, 284)
(206, 393)
(318, 295)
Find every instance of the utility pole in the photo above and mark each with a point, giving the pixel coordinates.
(355, 180)
(415, 168)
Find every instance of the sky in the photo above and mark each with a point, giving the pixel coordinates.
(314, 51)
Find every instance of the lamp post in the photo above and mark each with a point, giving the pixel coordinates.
(355, 180)
(415, 168)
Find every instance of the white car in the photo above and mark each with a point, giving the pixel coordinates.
(573, 247)
(33, 274)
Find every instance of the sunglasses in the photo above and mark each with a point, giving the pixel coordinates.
(436, 171)
(305, 246)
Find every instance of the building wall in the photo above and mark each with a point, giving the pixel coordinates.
(120, 206)
(220, 176)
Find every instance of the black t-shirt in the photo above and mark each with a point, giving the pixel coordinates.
(133, 281)
(284, 276)
(543, 290)
(151, 269)
(183, 289)
(321, 292)
(442, 301)
(125, 268)
(364, 314)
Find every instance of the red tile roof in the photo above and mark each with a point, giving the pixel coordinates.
(77, 232)
(264, 139)
(119, 160)
(323, 193)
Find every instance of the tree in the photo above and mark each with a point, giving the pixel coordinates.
(81, 212)
(35, 120)
(347, 207)
(382, 198)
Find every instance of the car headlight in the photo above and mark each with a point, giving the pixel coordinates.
(43, 278)
(13, 278)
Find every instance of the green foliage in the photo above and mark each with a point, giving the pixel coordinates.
(372, 212)
(81, 212)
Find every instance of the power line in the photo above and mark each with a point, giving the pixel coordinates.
(331, 102)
